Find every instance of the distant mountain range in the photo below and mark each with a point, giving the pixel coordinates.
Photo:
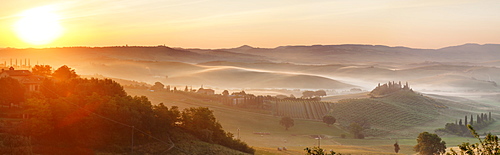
(464, 67)
(315, 54)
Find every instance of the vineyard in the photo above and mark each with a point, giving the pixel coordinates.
(396, 111)
(303, 109)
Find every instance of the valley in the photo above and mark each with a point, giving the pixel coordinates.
(446, 84)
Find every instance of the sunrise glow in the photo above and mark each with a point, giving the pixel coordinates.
(38, 26)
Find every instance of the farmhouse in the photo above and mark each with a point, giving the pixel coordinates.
(206, 91)
(25, 77)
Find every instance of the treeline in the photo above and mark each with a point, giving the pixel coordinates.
(86, 116)
(388, 88)
(460, 127)
(11, 92)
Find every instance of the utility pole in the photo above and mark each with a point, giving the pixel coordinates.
(319, 141)
(238, 133)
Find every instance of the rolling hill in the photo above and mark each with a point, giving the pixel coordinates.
(396, 111)
(241, 78)
(465, 67)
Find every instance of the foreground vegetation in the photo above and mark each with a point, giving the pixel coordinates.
(85, 116)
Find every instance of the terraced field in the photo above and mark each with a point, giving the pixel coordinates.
(302, 109)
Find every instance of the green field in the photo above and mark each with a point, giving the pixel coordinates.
(303, 134)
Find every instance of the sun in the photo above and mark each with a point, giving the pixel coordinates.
(39, 26)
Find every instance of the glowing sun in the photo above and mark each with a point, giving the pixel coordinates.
(38, 26)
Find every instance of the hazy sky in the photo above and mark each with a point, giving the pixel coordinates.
(263, 23)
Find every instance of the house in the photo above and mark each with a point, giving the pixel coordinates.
(25, 77)
(206, 91)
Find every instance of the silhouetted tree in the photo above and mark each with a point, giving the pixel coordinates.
(471, 120)
(318, 151)
(64, 73)
(158, 86)
(396, 147)
(42, 70)
(11, 91)
(320, 93)
(225, 93)
(429, 144)
(329, 120)
(287, 122)
(488, 145)
(465, 122)
(16, 144)
(308, 94)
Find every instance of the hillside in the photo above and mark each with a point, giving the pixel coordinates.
(395, 111)
(230, 77)
(326, 54)
(112, 121)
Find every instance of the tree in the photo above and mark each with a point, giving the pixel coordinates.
(158, 86)
(11, 91)
(329, 120)
(287, 122)
(489, 145)
(308, 94)
(15, 144)
(396, 147)
(320, 93)
(225, 93)
(356, 130)
(317, 151)
(429, 144)
(465, 122)
(64, 73)
(42, 70)
(471, 120)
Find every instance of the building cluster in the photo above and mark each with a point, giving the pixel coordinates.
(388, 88)
(17, 63)
(30, 81)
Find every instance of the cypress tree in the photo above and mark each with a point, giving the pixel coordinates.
(466, 122)
(478, 119)
(490, 116)
(460, 122)
(482, 118)
(471, 120)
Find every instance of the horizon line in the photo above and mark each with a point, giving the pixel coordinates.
(255, 47)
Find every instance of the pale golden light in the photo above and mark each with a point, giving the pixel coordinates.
(38, 26)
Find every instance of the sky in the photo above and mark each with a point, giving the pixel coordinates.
(261, 23)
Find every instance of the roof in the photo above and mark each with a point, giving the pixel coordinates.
(17, 72)
(33, 79)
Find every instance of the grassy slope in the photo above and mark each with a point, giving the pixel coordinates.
(400, 110)
(297, 138)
